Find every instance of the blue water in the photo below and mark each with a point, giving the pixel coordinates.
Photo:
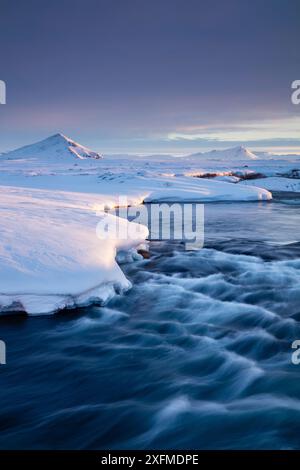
(196, 355)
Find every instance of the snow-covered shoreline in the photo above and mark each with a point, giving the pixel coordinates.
(51, 257)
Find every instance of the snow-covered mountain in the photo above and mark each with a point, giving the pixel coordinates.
(235, 153)
(57, 148)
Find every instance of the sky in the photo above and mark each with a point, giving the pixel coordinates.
(151, 75)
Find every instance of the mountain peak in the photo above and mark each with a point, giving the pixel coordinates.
(59, 135)
(239, 147)
(239, 152)
(58, 147)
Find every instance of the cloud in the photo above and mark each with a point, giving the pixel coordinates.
(284, 129)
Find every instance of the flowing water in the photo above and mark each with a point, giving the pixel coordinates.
(196, 355)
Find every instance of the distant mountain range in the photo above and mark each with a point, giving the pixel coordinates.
(234, 153)
(59, 148)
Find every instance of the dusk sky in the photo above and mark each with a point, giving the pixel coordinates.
(151, 76)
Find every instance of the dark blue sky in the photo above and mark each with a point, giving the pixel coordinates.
(150, 75)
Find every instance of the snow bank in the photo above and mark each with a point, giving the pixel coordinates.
(276, 184)
(50, 255)
(209, 191)
(227, 179)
